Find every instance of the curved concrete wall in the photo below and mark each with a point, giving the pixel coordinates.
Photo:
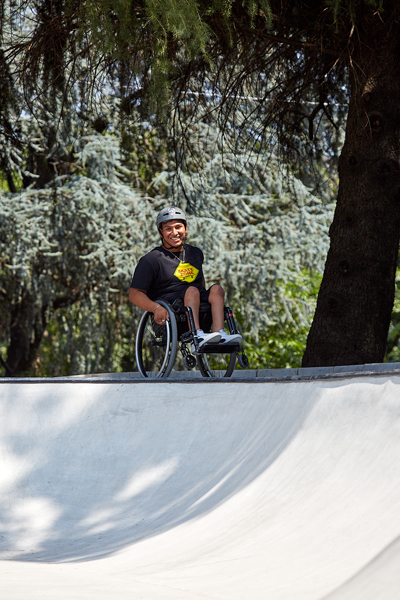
(228, 490)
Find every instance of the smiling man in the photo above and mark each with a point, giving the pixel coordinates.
(174, 271)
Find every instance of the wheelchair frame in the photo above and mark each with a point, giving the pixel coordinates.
(156, 346)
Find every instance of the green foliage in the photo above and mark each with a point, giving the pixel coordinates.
(94, 168)
(282, 345)
(88, 338)
(73, 243)
(71, 247)
(349, 8)
(393, 345)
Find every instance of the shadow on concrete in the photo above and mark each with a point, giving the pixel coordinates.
(92, 468)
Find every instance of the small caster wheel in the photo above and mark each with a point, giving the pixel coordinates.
(189, 361)
(243, 361)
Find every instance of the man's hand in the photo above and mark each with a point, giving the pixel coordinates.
(140, 299)
(160, 315)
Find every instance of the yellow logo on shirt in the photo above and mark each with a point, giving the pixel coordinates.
(186, 272)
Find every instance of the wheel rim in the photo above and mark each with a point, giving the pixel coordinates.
(153, 355)
(156, 345)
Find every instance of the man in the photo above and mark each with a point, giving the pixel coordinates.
(174, 271)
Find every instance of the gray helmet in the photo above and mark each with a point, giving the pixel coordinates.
(170, 214)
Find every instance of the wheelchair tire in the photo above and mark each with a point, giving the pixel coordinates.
(224, 367)
(243, 361)
(156, 345)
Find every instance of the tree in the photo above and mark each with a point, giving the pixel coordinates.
(265, 221)
(67, 250)
(67, 244)
(305, 56)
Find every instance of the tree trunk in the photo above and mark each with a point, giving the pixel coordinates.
(26, 332)
(355, 301)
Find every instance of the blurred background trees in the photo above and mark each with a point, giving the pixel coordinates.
(91, 146)
(68, 247)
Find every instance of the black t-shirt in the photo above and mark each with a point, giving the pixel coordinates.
(161, 273)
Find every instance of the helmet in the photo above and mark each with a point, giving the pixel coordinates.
(170, 214)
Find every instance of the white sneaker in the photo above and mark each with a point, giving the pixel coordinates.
(206, 338)
(234, 338)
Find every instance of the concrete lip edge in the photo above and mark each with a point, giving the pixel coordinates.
(254, 376)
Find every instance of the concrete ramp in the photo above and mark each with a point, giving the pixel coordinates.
(245, 490)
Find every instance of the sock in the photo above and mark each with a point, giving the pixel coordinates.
(222, 331)
(200, 332)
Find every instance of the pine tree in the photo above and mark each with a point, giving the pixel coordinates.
(306, 58)
(259, 219)
(68, 250)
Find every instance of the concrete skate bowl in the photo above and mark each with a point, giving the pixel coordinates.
(200, 490)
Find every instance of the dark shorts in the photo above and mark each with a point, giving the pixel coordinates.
(177, 299)
(177, 302)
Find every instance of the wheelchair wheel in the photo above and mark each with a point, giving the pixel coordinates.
(156, 345)
(217, 365)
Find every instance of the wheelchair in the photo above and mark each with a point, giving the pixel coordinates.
(156, 345)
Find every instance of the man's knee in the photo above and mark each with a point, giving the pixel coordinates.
(217, 290)
(192, 293)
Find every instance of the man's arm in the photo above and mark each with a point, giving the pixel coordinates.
(139, 298)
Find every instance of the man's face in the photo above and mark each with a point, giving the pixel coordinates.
(174, 232)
